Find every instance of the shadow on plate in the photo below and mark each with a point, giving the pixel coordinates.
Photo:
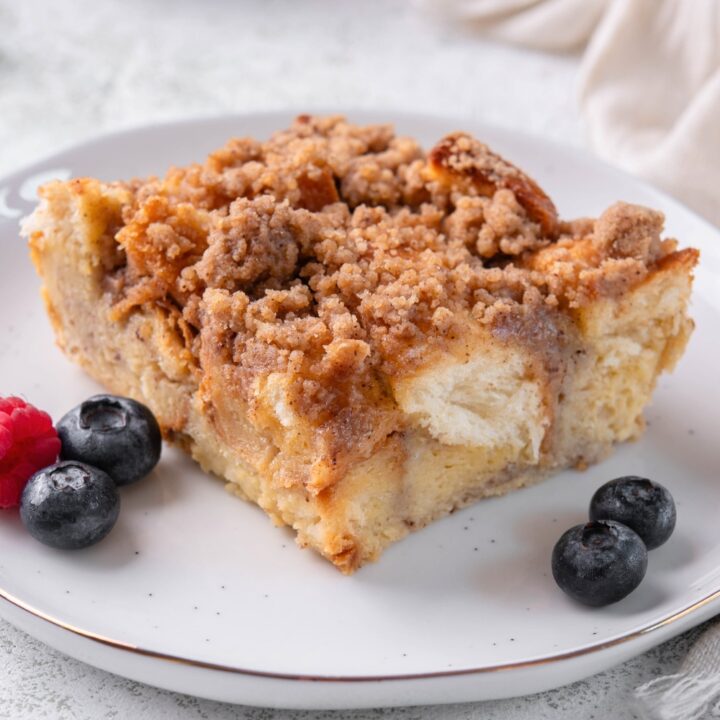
(676, 554)
(645, 598)
(112, 552)
(171, 481)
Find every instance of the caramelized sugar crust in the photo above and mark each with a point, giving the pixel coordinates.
(343, 256)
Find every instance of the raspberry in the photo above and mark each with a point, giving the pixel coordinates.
(28, 443)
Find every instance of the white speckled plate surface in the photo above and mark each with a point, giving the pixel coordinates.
(196, 591)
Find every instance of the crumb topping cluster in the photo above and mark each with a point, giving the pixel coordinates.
(341, 254)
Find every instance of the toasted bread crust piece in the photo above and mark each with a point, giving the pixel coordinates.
(358, 337)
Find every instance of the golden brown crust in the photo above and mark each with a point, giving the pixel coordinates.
(462, 161)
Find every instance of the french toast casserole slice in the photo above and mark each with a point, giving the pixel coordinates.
(359, 336)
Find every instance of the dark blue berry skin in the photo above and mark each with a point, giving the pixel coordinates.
(646, 507)
(116, 434)
(599, 563)
(69, 505)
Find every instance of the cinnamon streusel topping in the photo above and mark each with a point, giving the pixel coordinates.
(343, 255)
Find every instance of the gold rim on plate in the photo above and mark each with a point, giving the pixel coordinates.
(205, 665)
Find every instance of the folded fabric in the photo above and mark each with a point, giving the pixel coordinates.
(693, 693)
(649, 80)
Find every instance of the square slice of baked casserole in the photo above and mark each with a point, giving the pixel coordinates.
(360, 336)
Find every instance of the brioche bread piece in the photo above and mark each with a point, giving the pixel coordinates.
(357, 336)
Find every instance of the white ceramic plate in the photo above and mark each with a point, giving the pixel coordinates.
(196, 591)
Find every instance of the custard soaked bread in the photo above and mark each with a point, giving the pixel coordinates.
(358, 336)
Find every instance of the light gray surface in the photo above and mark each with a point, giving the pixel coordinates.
(75, 69)
(36, 682)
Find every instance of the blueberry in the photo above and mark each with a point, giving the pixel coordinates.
(644, 506)
(69, 505)
(600, 562)
(116, 434)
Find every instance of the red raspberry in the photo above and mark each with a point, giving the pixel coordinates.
(28, 443)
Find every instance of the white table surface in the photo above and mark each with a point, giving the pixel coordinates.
(73, 69)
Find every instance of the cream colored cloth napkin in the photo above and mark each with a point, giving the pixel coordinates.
(693, 693)
(649, 79)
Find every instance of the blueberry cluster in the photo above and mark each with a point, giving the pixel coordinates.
(604, 560)
(107, 442)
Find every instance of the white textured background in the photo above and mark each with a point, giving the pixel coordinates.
(73, 69)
